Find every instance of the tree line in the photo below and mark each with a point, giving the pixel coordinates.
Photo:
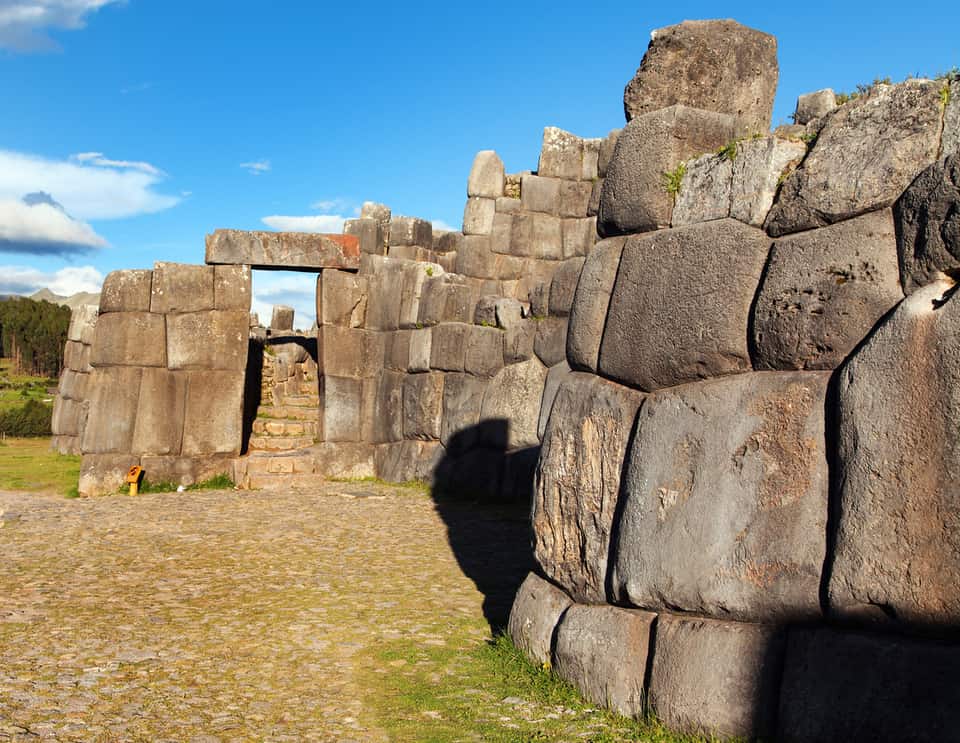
(33, 335)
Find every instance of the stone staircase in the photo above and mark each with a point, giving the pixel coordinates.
(288, 417)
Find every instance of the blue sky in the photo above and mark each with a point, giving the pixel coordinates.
(154, 122)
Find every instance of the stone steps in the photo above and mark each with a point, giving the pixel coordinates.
(301, 401)
(286, 427)
(280, 443)
(285, 412)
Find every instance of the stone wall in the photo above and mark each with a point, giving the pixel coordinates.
(166, 390)
(70, 406)
(744, 514)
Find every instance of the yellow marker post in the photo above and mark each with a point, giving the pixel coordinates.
(133, 478)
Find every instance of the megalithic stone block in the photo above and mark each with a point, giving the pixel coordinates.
(368, 232)
(288, 251)
(160, 412)
(342, 299)
(536, 612)
(215, 339)
(213, 418)
(486, 176)
(588, 312)
(181, 287)
(812, 106)
(514, 397)
(83, 320)
(281, 318)
(130, 339)
(561, 155)
(423, 406)
(114, 396)
(126, 291)
(411, 231)
(232, 288)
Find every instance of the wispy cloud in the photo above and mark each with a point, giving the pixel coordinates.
(87, 190)
(25, 24)
(257, 167)
(329, 223)
(295, 290)
(338, 204)
(440, 225)
(66, 281)
(38, 225)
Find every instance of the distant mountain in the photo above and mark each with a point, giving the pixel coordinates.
(73, 301)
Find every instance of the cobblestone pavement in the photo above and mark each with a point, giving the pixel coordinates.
(215, 615)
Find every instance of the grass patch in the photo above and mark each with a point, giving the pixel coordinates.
(31, 465)
(489, 691)
(16, 389)
(222, 481)
(410, 484)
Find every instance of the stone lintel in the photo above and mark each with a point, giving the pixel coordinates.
(283, 251)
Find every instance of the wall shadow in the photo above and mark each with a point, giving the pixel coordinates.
(484, 493)
(252, 383)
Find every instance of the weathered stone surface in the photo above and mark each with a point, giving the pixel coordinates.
(181, 287)
(232, 288)
(69, 417)
(564, 286)
(537, 236)
(483, 350)
(476, 257)
(478, 216)
(514, 396)
(721, 678)
(732, 474)
(716, 65)
(288, 251)
(578, 482)
(822, 292)
(540, 194)
(407, 461)
(213, 421)
(588, 312)
(83, 321)
(867, 153)
(342, 299)
(384, 295)
(758, 170)
(579, 236)
(132, 339)
(448, 346)
(550, 343)
(635, 197)
(535, 614)
(851, 686)
(422, 406)
(103, 474)
(897, 553)
(486, 311)
(342, 408)
(160, 412)
(386, 422)
(606, 152)
(414, 277)
(509, 313)
(114, 393)
(184, 471)
(281, 318)
(216, 339)
(486, 175)
(126, 291)
(502, 233)
(421, 349)
(76, 356)
(928, 222)
(349, 352)
(462, 400)
(602, 650)
(812, 106)
(539, 296)
(556, 376)
(681, 304)
(704, 191)
(561, 155)
(518, 342)
(411, 231)
(73, 385)
(950, 139)
(369, 232)
(591, 158)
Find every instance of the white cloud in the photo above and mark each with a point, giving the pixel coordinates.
(328, 223)
(297, 290)
(97, 158)
(37, 224)
(256, 168)
(86, 190)
(337, 204)
(24, 23)
(439, 224)
(66, 281)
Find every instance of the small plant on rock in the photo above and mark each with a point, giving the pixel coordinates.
(728, 151)
(673, 180)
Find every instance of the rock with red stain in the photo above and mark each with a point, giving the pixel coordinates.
(289, 251)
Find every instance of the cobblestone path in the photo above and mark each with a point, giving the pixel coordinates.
(220, 615)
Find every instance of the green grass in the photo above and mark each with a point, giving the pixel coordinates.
(673, 180)
(728, 151)
(222, 481)
(489, 692)
(30, 464)
(17, 389)
(409, 484)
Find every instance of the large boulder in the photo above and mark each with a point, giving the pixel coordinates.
(636, 196)
(578, 482)
(126, 291)
(716, 65)
(181, 287)
(867, 153)
(822, 292)
(134, 339)
(928, 221)
(213, 339)
(588, 312)
(213, 416)
(486, 175)
(724, 504)
(114, 394)
(681, 305)
(897, 553)
(513, 398)
(536, 611)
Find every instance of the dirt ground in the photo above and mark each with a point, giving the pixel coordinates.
(222, 615)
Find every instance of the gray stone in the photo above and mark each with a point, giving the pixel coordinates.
(812, 106)
(593, 208)
(606, 152)
(83, 321)
(509, 313)
(126, 291)
(540, 194)
(288, 251)
(350, 352)
(181, 287)
(603, 650)
(407, 253)
(564, 286)
(508, 268)
(476, 257)
(539, 296)
(411, 231)
(369, 232)
(281, 318)
(160, 412)
(422, 406)
(578, 482)
(822, 292)
(867, 153)
(184, 471)
(486, 312)
(514, 396)
(462, 401)
(732, 475)
(461, 302)
(73, 385)
(550, 343)
(556, 376)
(433, 300)
(448, 346)
(408, 461)
(414, 277)
(508, 205)
(232, 288)
(483, 348)
(342, 408)
(536, 612)
(852, 687)
(104, 474)
(213, 421)
(537, 236)
(216, 339)
(588, 312)
(704, 191)
(76, 356)
(342, 299)
(950, 139)
(681, 305)
(561, 155)
(591, 158)
(518, 342)
(758, 170)
(114, 395)
(446, 242)
(384, 296)
(928, 225)
(421, 342)
(486, 175)
(715, 65)
(478, 216)
(897, 553)
(132, 339)
(635, 197)
(386, 424)
(69, 416)
(579, 236)
(719, 678)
